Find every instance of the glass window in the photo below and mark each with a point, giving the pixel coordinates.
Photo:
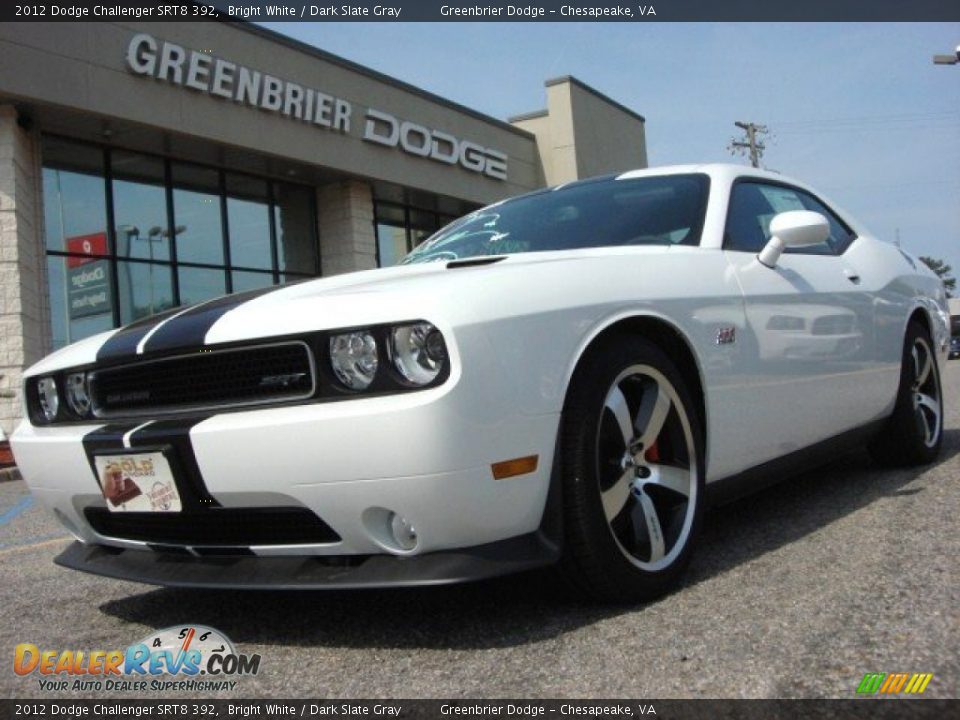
(840, 235)
(198, 284)
(246, 280)
(196, 214)
(139, 206)
(667, 210)
(753, 205)
(74, 198)
(248, 222)
(423, 220)
(81, 301)
(295, 222)
(392, 244)
(143, 289)
(401, 228)
(93, 283)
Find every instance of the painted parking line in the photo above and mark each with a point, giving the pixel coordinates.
(25, 503)
(33, 544)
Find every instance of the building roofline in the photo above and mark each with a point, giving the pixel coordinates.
(528, 116)
(593, 91)
(329, 57)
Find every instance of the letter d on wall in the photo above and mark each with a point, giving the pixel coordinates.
(370, 131)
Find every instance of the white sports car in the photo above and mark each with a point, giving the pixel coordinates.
(565, 378)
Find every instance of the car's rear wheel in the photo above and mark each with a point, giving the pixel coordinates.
(914, 433)
(632, 472)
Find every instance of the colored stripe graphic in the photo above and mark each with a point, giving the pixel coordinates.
(871, 683)
(894, 683)
(918, 683)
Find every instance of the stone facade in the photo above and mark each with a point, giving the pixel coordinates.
(24, 311)
(345, 220)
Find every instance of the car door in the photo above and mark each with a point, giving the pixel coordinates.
(809, 334)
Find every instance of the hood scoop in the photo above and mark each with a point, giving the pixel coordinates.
(475, 261)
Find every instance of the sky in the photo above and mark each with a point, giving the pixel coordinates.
(858, 111)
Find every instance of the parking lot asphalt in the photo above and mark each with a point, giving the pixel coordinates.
(796, 591)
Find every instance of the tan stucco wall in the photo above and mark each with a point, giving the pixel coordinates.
(582, 133)
(81, 66)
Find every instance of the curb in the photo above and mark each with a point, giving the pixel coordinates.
(10, 474)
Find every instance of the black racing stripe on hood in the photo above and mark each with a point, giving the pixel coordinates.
(190, 329)
(123, 343)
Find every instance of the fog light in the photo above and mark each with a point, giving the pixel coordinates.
(404, 534)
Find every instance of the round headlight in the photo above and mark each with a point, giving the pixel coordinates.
(49, 399)
(77, 397)
(418, 351)
(353, 357)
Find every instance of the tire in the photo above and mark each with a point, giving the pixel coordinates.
(914, 432)
(632, 499)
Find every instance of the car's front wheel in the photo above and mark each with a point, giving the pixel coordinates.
(632, 472)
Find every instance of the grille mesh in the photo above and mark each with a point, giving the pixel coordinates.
(244, 376)
(215, 527)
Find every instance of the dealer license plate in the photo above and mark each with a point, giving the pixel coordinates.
(138, 482)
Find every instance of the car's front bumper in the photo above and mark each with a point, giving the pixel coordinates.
(425, 456)
(247, 572)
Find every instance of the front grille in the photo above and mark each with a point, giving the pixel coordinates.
(215, 527)
(205, 379)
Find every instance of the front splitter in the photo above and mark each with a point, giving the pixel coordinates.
(252, 572)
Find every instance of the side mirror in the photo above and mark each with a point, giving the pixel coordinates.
(794, 228)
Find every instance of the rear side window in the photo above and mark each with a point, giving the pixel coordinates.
(754, 204)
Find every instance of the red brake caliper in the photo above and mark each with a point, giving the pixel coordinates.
(653, 452)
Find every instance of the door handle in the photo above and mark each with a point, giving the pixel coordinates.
(852, 276)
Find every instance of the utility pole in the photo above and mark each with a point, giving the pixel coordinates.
(751, 143)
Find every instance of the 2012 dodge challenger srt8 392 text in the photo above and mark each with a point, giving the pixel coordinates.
(561, 378)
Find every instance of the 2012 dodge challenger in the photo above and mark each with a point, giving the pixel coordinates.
(563, 378)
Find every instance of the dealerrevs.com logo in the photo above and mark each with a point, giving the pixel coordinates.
(189, 657)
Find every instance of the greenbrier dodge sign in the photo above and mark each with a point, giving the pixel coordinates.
(221, 78)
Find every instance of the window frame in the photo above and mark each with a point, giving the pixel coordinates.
(172, 264)
(442, 219)
(755, 180)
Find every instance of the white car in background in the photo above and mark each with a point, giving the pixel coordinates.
(560, 378)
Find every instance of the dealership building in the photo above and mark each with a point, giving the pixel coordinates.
(145, 166)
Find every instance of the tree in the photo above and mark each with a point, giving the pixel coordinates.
(943, 271)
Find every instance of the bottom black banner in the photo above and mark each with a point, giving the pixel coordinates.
(314, 709)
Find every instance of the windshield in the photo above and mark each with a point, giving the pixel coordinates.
(661, 210)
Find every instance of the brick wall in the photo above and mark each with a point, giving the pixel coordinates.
(24, 311)
(347, 239)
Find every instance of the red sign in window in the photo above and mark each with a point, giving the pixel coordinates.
(93, 244)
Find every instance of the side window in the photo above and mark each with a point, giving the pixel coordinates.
(754, 204)
(840, 235)
(748, 219)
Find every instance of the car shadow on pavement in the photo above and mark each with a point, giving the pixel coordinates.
(524, 608)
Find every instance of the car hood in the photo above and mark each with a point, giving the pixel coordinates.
(445, 293)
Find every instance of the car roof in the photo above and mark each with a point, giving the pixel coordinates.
(725, 171)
